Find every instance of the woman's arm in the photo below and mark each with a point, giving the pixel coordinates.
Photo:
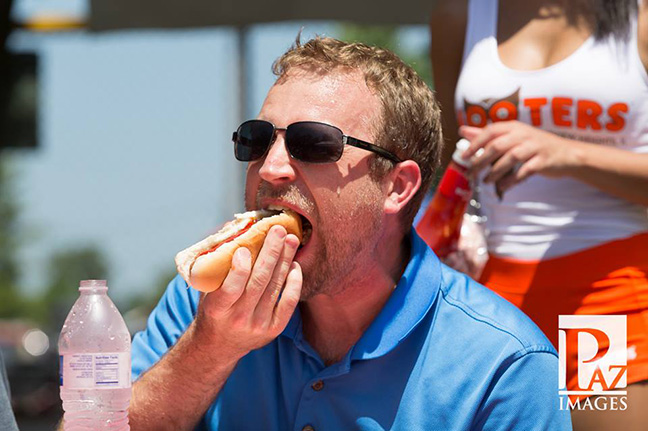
(642, 33)
(517, 150)
(618, 172)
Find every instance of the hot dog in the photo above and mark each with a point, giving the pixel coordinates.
(205, 264)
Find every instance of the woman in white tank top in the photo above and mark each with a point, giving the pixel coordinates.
(556, 93)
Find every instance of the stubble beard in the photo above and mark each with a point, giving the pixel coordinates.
(345, 244)
(344, 241)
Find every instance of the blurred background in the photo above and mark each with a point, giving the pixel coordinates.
(115, 152)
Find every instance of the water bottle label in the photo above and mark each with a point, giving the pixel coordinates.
(95, 370)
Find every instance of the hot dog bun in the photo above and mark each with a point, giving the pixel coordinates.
(205, 265)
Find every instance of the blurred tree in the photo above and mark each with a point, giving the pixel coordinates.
(138, 307)
(8, 228)
(388, 37)
(10, 299)
(66, 268)
(148, 298)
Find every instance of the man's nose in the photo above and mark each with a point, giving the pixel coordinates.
(277, 165)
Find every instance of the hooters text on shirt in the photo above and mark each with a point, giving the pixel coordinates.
(564, 112)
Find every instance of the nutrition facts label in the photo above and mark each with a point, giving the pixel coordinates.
(95, 370)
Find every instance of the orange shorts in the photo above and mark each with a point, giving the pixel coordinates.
(611, 278)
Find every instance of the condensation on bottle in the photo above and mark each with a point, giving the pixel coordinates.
(94, 348)
(440, 226)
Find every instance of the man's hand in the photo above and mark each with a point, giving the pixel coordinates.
(250, 309)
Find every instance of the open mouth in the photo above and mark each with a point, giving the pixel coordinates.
(307, 226)
(307, 230)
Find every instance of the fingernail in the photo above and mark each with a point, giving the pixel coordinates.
(294, 241)
(279, 232)
(243, 255)
(499, 192)
(294, 266)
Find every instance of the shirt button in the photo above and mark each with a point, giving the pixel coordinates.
(308, 428)
(318, 385)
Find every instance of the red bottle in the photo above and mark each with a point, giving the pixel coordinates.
(441, 223)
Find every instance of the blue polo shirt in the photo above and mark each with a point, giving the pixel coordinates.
(445, 353)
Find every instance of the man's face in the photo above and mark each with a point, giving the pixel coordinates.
(343, 205)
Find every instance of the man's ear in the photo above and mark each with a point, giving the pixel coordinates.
(402, 184)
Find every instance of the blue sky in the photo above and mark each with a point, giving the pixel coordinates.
(135, 153)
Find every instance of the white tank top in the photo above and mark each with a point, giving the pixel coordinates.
(599, 94)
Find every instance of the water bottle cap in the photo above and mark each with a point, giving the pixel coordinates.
(93, 285)
(462, 145)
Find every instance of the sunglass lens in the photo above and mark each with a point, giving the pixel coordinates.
(252, 140)
(314, 142)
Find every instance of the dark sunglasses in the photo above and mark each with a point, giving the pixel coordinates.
(307, 141)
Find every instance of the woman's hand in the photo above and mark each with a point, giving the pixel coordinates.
(515, 151)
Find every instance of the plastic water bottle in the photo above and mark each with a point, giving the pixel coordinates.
(94, 348)
(440, 226)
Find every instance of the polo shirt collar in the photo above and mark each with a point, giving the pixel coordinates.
(410, 302)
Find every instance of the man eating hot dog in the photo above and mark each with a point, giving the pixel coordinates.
(358, 326)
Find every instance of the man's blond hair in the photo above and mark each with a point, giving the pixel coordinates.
(410, 123)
